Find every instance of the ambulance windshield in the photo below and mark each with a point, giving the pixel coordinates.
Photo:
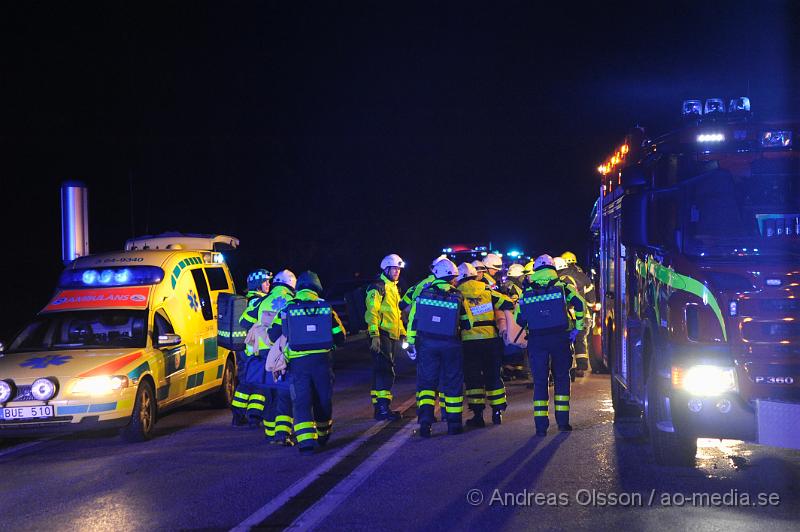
(85, 329)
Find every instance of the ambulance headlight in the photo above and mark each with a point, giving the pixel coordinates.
(705, 380)
(43, 389)
(100, 385)
(5, 392)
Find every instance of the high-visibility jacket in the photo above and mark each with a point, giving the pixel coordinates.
(582, 282)
(413, 291)
(250, 315)
(278, 297)
(337, 329)
(383, 309)
(575, 304)
(482, 303)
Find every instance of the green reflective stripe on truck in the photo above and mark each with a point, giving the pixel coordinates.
(185, 263)
(682, 282)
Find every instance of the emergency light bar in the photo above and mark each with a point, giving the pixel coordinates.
(114, 276)
(711, 137)
(776, 139)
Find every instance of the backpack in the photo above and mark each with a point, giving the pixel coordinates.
(545, 307)
(230, 334)
(356, 302)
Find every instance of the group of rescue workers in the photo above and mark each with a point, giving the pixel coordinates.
(458, 324)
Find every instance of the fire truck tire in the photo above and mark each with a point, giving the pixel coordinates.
(143, 418)
(669, 448)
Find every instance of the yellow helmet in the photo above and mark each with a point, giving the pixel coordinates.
(569, 257)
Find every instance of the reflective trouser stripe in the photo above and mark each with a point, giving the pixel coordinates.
(373, 393)
(475, 396)
(426, 397)
(284, 424)
(540, 403)
(496, 397)
(240, 399)
(540, 413)
(540, 408)
(381, 394)
(562, 408)
(561, 397)
(562, 403)
(454, 405)
(305, 431)
(269, 428)
(256, 402)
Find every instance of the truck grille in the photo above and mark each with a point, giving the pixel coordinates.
(24, 393)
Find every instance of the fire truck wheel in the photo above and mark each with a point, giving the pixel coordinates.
(144, 415)
(669, 448)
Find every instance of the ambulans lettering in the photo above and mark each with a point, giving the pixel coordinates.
(132, 296)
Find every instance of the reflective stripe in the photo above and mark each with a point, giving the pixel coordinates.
(238, 404)
(426, 393)
(562, 408)
(255, 406)
(287, 419)
(283, 428)
(257, 397)
(423, 402)
(496, 402)
(540, 403)
(561, 397)
(241, 395)
(454, 409)
(475, 400)
(475, 391)
(539, 413)
(307, 436)
(383, 394)
(494, 393)
(305, 425)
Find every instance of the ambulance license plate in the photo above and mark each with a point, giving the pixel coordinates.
(26, 412)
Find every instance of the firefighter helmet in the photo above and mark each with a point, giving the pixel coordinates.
(437, 259)
(493, 261)
(286, 277)
(559, 263)
(466, 271)
(569, 257)
(515, 270)
(543, 261)
(392, 260)
(479, 265)
(444, 269)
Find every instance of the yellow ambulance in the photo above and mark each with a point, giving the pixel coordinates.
(126, 336)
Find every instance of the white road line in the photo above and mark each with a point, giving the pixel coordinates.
(293, 490)
(22, 446)
(334, 499)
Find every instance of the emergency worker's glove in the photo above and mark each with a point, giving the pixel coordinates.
(375, 345)
(412, 352)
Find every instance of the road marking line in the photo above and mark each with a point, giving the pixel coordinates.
(334, 499)
(275, 504)
(22, 446)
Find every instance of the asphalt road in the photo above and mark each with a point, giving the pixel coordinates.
(200, 473)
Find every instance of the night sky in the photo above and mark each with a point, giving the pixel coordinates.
(328, 134)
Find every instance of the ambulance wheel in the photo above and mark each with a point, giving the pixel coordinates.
(669, 448)
(224, 397)
(143, 418)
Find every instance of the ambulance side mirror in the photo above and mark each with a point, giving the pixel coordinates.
(169, 340)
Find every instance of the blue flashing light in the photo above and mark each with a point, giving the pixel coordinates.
(514, 253)
(114, 276)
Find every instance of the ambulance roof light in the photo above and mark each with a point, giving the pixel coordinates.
(111, 276)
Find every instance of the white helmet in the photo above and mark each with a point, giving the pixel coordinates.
(392, 260)
(445, 268)
(559, 263)
(437, 259)
(479, 266)
(466, 270)
(543, 261)
(493, 261)
(515, 270)
(286, 277)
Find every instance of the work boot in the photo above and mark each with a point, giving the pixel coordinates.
(382, 412)
(476, 420)
(454, 429)
(541, 432)
(565, 428)
(497, 417)
(579, 373)
(425, 430)
(238, 420)
(323, 440)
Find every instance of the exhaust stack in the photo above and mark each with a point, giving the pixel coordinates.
(74, 221)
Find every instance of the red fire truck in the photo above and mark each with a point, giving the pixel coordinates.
(700, 280)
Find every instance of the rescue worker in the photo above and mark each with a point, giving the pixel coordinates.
(586, 290)
(543, 310)
(514, 357)
(561, 266)
(480, 267)
(278, 416)
(483, 348)
(312, 330)
(258, 282)
(493, 264)
(413, 291)
(436, 319)
(387, 332)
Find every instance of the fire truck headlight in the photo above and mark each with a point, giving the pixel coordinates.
(705, 380)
